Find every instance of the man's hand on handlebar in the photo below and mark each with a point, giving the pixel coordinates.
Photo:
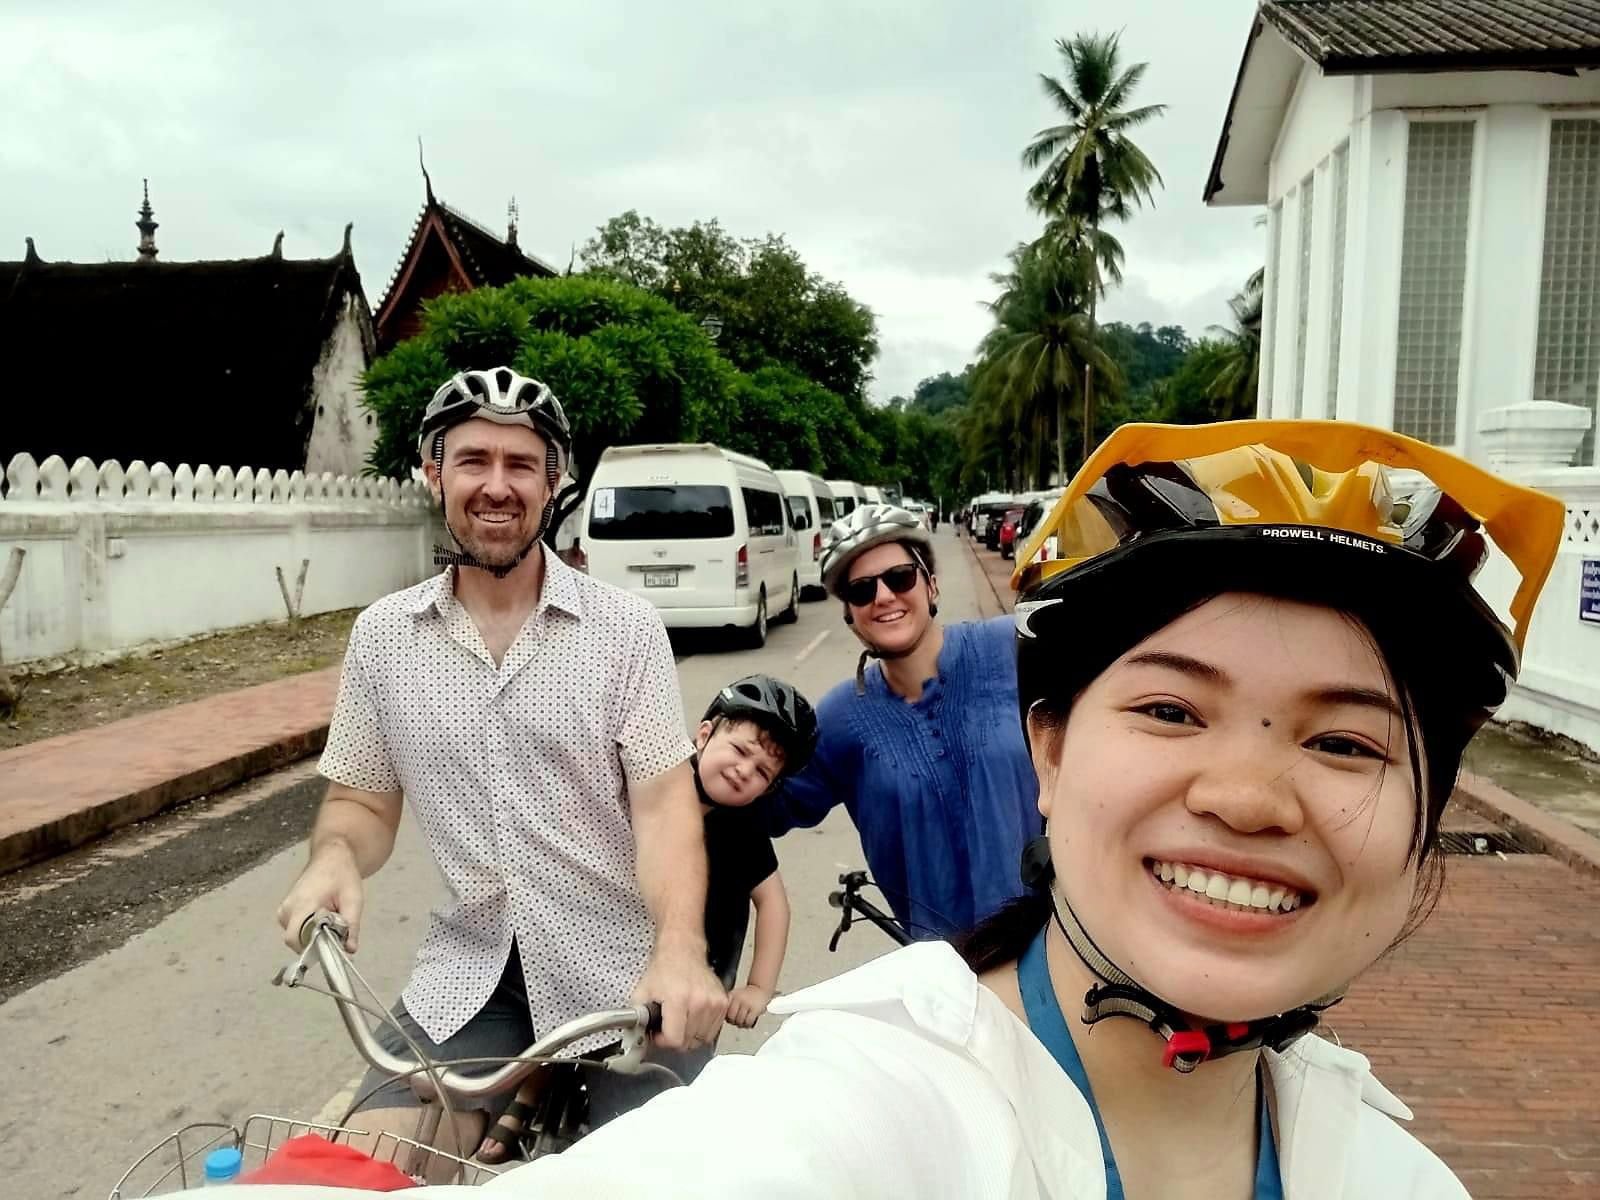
(330, 881)
(692, 1001)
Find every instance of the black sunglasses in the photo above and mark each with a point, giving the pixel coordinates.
(900, 580)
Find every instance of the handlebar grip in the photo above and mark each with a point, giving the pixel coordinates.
(322, 918)
(653, 1022)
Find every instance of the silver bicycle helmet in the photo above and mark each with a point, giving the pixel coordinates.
(868, 526)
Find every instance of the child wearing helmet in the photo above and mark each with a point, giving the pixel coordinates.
(757, 732)
(1247, 687)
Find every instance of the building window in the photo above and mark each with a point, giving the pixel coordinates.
(1269, 306)
(1567, 359)
(1433, 279)
(1308, 207)
(1340, 177)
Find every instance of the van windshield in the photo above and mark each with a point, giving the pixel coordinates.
(667, 512)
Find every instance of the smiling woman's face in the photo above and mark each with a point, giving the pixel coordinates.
(1231, 808)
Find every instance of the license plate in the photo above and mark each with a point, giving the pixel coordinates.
(661, 579)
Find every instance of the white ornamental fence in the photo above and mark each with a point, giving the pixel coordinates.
(1559, 686)
(117, 557)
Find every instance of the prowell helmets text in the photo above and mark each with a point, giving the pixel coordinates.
(1328, 535)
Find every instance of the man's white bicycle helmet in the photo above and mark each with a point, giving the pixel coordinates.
(500, 395)
(868, 526)
(506, 398)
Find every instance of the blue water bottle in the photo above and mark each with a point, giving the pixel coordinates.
(223, 1166)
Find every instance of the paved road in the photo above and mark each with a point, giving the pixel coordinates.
(165, 1013)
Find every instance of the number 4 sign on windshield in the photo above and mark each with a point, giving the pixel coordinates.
(1589, 591)
(605, 504)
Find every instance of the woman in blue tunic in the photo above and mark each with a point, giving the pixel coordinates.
(922, 748)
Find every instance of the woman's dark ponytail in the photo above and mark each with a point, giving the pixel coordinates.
(1003, 938)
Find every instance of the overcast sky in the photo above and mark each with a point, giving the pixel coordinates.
(882, 138)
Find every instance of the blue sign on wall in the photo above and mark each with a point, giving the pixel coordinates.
(1589, 591)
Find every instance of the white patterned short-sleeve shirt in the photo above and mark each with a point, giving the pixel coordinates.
(518, 776)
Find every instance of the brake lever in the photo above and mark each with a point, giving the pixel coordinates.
(630, 1059)
(317, 923)
(846, 916)
(293, 974)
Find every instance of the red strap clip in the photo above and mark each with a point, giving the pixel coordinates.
(1189, 1043)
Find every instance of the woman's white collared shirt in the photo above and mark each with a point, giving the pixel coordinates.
(907, 1078)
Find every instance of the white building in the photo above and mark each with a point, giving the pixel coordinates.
(1431, 174)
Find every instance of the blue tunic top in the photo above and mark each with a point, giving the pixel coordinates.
(942, 791)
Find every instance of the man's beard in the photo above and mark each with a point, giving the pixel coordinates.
(498, 551)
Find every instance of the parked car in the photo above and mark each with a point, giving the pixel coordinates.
(874, 494)
(810, 514)
(699, 531)
(992, 515)
(847, 494)
(1040, 505)
(1007, 537)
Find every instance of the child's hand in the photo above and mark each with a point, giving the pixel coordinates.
(746, 1005)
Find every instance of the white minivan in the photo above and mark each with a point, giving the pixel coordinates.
(699, 531)
(810, 503)
(847, 494)
(874, 495)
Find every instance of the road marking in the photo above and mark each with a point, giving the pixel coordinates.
(810, 646)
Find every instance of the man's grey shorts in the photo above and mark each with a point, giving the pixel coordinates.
(502, 1028)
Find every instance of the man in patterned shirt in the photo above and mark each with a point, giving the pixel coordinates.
(531, 716)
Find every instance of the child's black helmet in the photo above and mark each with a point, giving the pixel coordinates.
(778, 708)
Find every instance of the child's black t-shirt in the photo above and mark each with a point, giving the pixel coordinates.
(739, 856)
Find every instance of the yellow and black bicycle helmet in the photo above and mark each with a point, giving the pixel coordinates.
(1348, 516)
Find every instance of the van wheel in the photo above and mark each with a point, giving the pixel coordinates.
(792, 614)
(756, 635)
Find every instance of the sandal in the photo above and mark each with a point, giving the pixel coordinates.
(502, 1141)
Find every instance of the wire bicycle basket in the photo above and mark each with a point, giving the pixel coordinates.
(175, 1163)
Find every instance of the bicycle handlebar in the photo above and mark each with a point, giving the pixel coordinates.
(851, 904)
(323, 933)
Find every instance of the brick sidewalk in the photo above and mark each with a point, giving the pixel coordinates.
(1484, 1021)
(64, 791)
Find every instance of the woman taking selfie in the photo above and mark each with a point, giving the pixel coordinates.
(1247, 686)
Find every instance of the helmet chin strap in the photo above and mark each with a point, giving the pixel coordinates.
(1118, 994)
(443, 556)
(872, 651)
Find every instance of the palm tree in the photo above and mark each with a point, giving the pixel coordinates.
(1238, 381)
(1031, 362)
(1093, 171)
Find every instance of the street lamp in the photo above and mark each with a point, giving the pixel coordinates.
(712, 324)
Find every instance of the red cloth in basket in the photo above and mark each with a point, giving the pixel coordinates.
(313, 1159)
